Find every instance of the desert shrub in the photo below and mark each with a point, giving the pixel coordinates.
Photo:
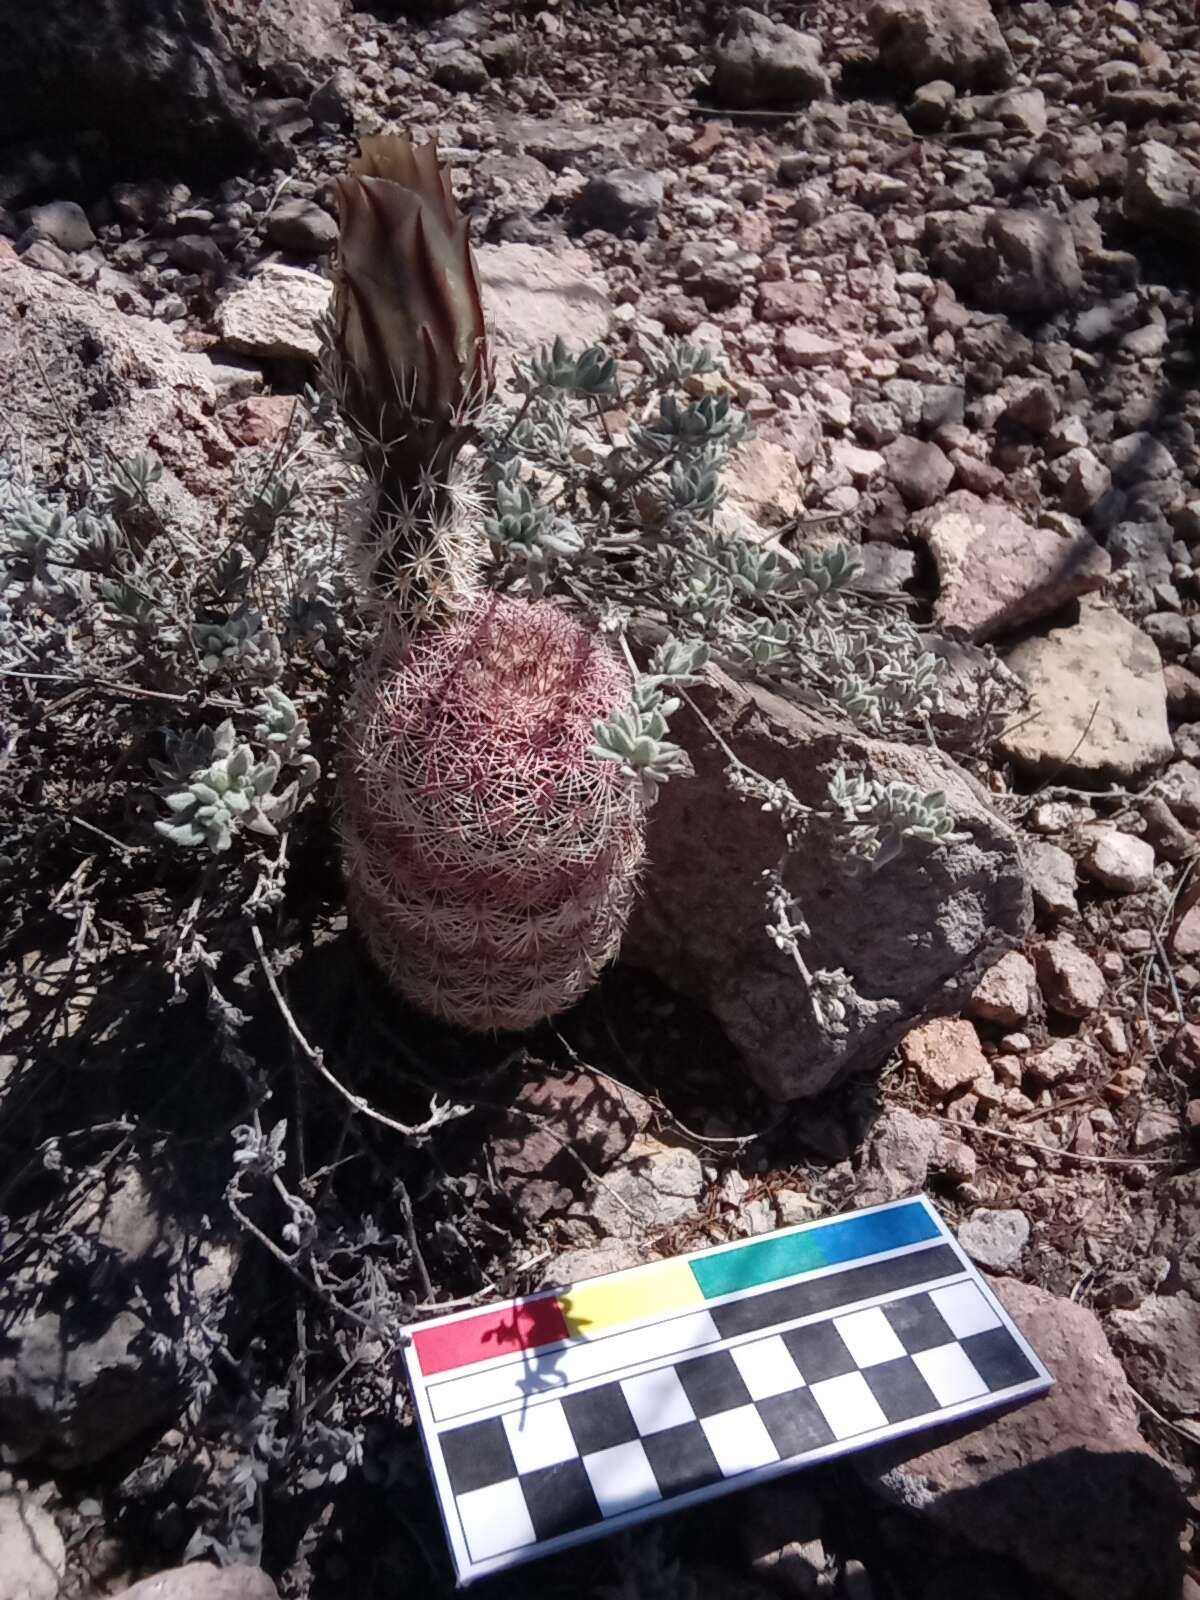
(201, 647)
(584, 494)
(612, 499)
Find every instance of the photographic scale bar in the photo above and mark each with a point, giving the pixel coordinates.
(561, 1417)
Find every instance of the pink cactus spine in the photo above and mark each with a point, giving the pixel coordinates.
(491, 858)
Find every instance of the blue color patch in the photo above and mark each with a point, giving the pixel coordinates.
(829, 1244)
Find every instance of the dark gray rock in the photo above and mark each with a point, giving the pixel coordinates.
(1170, 632)
(767, 64)
(1105, 322)
(931, 106)
(1024, 262)
(919, 469)
(423, 10)
(591, 147)
(52, 164)
(1142, 551)
(959, 41)
(302, 228)
(331, 105)
(1139, 458)
(158, 78)
(501, 55)
(196, 252)
(1080, 479)
(460, 71)
(63, 223)
(624, 201)
(914, 947)
(298, 41)
(103, 1322)
(150, 205)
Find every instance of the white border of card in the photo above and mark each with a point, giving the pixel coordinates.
(751, 1463)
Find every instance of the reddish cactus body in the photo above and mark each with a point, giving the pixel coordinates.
(491, 857)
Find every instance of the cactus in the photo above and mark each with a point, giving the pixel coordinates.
(491, 854)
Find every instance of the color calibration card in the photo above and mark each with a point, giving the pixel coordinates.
(560, 1418)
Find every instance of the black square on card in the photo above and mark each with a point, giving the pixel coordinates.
(998, 1358)
(918, 1324)
(713, 1383)
(599, 1418)
(477, 1455)
(681, 1459)
(819, 1351)
(900, 1389)
(559, 1499)
(795, 1422)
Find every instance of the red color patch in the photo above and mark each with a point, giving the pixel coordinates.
(492, 1333)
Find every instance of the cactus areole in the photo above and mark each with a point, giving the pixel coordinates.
(491, 857)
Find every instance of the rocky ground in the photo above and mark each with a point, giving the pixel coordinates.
(945, 255)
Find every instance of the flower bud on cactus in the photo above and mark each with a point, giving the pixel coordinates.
(491, 855)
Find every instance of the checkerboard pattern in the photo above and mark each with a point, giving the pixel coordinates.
(556, 1419)
(555, 1466)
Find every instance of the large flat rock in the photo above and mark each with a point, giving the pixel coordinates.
(1098, 700)
(996, 570)
(914, 936)
(959, 41)
(274, 315)
(1162, 192)
(158, 78)
(531, 294)
(79, 374)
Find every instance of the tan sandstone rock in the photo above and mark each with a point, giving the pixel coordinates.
(1098, 704)
(996, 570)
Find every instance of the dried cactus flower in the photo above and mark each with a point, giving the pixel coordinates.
(491, 852)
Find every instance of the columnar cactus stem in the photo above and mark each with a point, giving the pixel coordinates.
(491, 856)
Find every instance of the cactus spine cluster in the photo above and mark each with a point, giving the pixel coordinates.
(491, 856)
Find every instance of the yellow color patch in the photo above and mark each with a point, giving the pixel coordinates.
(631, 1296)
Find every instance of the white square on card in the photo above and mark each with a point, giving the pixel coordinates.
(964, 1309)
(495, 1519)
(621, 1478)
(848, 1405)
(657, 1400)
(948, 1371)
(739, 1440)
(539, 1436)
(767, 1368)
(869, 1337)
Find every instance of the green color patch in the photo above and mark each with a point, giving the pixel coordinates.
(830, 1244)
